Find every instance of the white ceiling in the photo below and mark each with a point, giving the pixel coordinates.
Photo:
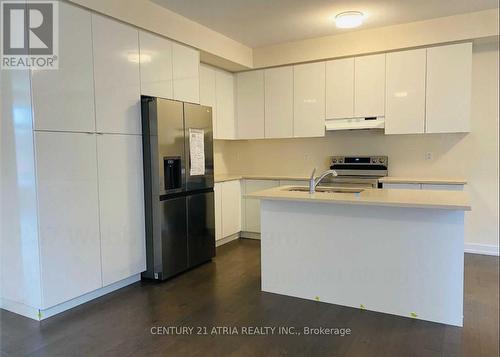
(258, 23)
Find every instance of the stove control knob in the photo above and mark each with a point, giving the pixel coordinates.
(341, 161)
(374, 161)
(334, 161)
(381, 161)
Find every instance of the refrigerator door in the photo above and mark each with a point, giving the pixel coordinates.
(201, 227)
(174, 237)
(170, 153)
(198, 120)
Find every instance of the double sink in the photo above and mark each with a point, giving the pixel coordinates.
(328, 189)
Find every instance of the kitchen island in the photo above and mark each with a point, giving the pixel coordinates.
(392, 251)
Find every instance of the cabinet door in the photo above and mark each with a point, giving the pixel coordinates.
(405, 92)
(448, 93)
(231, 207)
(250, 104)
(63, 100)
(224, 82)
(443, 187)
(252, 205)
(208, 92)
(402, 186)
(369, 86)
(121, 206)
(116, 74)
(156, 65)
(340, 88)
(218, 211)
(278, 102)
(68, 214)
(309, 100)
(186, 72)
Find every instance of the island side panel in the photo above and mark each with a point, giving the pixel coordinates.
(402, 261)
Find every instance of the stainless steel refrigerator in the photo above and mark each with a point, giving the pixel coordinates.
(178, 186)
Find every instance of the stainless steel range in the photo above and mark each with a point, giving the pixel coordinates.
(357, 171)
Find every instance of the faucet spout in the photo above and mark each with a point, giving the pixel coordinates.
(315, 182)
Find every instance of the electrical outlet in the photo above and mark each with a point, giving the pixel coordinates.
(429, 155)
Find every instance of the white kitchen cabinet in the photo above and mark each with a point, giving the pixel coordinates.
(250, 105)
(252, 205)
(68, 216)
(425, 186)
(156, 65)
(226, 128)
(369, 86)
(402, 186)
(116, 76)
(186, 73)
(340, 88)
(278, 89)
(121, 206)
(63, 99)
(231, 207)
(405, 92)
(309, 100)
(208, 95)
(448, 94)
(218, 210)
(442, 187)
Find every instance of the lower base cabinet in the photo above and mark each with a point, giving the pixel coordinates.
(424, 186)
(251, 206)
(227, 209)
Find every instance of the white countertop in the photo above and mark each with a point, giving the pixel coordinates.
(451, 200)
(387, 179)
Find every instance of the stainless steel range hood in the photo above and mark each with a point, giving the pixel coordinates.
(355, 123)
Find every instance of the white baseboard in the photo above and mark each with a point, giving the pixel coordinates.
(41, 314)
(19, 308)
(227, 239)
(485, 249)
(250, 235)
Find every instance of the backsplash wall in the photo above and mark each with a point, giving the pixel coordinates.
(472, 156)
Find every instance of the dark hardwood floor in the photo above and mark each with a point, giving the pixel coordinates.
(226, 292)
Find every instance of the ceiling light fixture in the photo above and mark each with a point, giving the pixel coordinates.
(349, 19)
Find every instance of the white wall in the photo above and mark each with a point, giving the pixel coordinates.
(475, 25)
(471, 156)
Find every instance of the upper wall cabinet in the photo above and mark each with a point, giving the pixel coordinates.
(186, 72)
(63, 100)
(448, 93)
(278, 83)
(250, 104)
(208, 94)
(309, 100)
(405, 92)
(226, 128)
(340, 88)
(369, 86)
(156, 65)
(116, 73)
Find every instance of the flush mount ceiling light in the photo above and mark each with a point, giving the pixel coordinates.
(349, 19)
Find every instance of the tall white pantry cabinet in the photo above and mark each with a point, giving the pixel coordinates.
(72, 213)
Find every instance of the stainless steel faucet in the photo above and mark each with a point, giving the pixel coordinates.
(315, 182)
